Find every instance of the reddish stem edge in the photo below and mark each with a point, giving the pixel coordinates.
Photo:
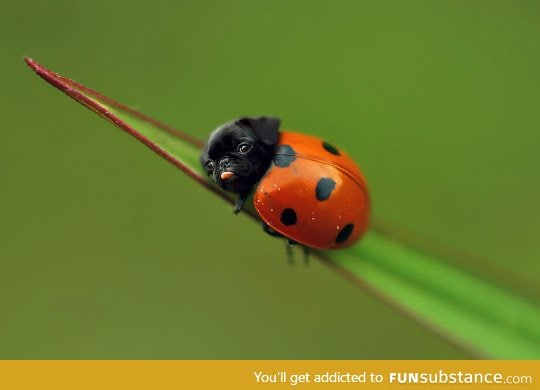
(61, 80)
(73, 90)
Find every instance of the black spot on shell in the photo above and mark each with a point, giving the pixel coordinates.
(284, 156)
(344, 233)
(330, 148)
(324, 188)
(288, 217)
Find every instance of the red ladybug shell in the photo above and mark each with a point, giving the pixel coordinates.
(313, 193)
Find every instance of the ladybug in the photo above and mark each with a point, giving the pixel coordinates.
(304, 188)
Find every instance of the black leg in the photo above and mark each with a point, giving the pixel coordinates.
(239, 204)
(268, 230)
(290, 257)
(288, 244)
(306, 251)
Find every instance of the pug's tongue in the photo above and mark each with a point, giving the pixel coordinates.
(226, 175)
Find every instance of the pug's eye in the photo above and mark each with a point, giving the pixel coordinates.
(244, 148)
(209, 166)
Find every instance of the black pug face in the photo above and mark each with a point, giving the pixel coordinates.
(238, 153)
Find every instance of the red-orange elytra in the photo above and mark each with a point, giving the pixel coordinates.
(313, 193)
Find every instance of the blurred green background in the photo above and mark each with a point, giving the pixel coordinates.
(107, 251)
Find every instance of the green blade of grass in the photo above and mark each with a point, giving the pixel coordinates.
(487, 318)
(482, 317)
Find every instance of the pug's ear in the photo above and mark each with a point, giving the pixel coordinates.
(266, 128)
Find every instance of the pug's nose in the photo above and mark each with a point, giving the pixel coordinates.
(224, 163)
